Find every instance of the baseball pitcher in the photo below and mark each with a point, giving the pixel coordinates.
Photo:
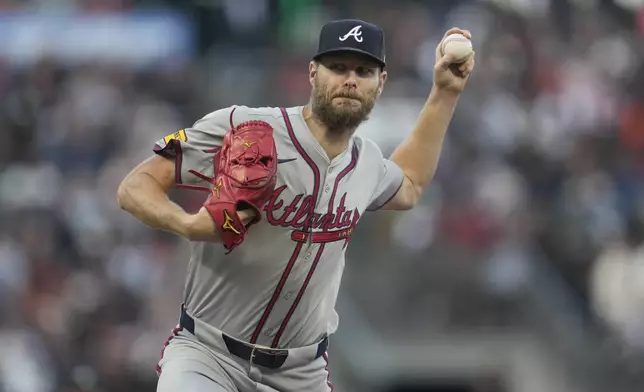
(286, 188)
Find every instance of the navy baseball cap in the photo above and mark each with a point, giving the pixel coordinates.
(352, 35)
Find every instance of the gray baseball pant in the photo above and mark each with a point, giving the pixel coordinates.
(198, 358)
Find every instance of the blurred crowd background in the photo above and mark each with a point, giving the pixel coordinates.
(522, 270)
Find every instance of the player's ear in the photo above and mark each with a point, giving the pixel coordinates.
(383, 79)
(313, 71)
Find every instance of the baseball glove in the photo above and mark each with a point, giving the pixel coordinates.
(245, 176)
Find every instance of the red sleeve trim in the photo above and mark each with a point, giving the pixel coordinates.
(172, 150)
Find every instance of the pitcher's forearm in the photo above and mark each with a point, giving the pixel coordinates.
(419, 154)
(144, 198)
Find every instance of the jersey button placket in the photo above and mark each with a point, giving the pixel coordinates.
(306, 261)
(328, 180)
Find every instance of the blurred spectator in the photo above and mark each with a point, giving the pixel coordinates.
(617, 283)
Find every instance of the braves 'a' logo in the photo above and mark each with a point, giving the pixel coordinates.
(355, 32)
(228, 223)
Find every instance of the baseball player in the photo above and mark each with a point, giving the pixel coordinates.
(286, 188)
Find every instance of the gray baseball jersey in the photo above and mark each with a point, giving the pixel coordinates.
(279, 288)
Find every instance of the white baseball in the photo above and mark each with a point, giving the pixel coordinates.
(458, 46)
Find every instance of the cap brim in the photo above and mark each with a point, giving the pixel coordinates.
(350, 50)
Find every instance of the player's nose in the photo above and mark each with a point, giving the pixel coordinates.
(351, 81)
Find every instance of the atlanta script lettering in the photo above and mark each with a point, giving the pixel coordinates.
(299, 213)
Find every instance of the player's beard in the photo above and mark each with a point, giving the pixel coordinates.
(343, 118)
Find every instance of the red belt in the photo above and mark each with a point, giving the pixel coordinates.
(325, 236)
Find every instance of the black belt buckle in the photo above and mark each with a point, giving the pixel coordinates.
(269, 358)
(266, 357)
